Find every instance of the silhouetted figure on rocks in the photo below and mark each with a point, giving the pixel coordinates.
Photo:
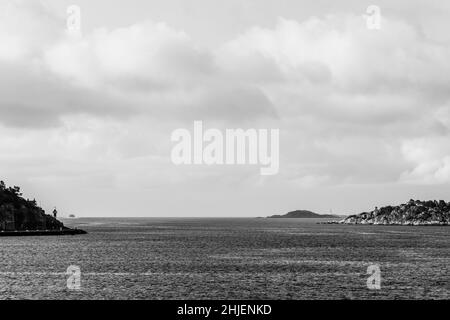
(55, 212)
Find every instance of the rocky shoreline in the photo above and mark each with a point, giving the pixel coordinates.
(412, 213)
(30, 233)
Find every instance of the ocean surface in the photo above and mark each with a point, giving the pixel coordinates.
(158, 258)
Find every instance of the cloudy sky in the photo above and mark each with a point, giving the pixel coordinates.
(86, 120)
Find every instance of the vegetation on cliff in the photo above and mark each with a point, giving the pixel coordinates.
(415, 212)
(17, 213)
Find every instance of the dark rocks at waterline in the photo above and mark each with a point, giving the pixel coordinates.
(63, 232)
(18, 214)
(413, 213)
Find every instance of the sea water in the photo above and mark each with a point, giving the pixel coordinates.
(157, 258)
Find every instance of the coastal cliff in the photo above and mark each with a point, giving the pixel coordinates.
(19, 214)
(415, 212)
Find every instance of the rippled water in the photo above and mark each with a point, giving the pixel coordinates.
(228, 258)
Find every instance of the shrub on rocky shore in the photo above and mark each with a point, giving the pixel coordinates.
(414, 212)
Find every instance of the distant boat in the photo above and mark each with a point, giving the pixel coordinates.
(71, 216)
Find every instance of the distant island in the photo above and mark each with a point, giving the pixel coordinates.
(305, 214)
(22, 217)
(413, 213)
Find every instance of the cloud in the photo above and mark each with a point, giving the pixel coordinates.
(34, 98)
(341, 46)
(150, 54)
(26, 28)
(145, 69)
(339, 68)
(349, 96)
(354, 106)
(429, 159)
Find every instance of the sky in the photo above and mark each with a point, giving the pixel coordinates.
(86, 119)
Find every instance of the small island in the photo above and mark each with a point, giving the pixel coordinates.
(23, 217)
(303, 214)
(412, 213)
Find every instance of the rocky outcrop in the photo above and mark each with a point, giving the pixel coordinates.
(415, 213)
(18, 214)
